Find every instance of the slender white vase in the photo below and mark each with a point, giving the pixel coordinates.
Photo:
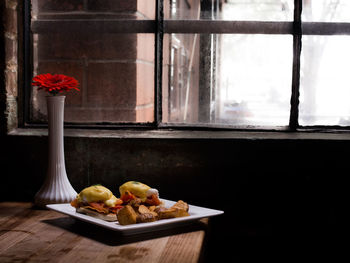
(56, 188)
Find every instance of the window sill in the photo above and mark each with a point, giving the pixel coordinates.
(187, 134)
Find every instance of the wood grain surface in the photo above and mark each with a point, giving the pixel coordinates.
(32, 235)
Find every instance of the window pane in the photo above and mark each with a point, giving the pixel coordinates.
(264, 10)
(226, 79)
(116, 71)
(122, 9)
(325, 91)
(326, 11)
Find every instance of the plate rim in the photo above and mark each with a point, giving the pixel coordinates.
(63, 208)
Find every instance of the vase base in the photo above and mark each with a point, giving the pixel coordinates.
(45, 197)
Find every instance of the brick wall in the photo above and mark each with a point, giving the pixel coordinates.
(8, 65)
(115, 70)
(2, 73)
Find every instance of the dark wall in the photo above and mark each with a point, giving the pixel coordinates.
(267, 188)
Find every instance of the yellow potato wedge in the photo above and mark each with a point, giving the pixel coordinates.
(181, 205)
(127, 215)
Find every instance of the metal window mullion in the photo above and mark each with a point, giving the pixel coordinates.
(227, 27)
(27, 64)
(45, 26)
(48, 26)
(297, 35)
(158, 63)
(325, 28)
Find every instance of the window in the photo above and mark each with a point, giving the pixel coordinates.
(325, 86)
(97, 43)
(270, 64)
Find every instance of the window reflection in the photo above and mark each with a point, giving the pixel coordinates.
(326, 11)
(227, 79)
(324, 91)
(246, 10)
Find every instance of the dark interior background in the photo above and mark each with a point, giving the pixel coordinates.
(284, 189)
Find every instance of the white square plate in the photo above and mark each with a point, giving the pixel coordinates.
(196, 212)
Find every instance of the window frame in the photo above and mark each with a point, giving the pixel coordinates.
(159, 27)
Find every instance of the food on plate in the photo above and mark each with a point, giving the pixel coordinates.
(181, 205)
(127, 215)
(134, 191)
(146, 215)
(142, 205)
(131, 215)
(179, 209)
(138, 203)
(98, 201)
(135, 213)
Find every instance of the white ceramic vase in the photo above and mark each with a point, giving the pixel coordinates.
(56, 188)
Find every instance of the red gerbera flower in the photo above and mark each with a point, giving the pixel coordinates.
(55, 84)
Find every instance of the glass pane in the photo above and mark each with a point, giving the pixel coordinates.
(325, 78)
(326, 11)
(115, 71)
(122, 9)
(226, 79)
(264, 10)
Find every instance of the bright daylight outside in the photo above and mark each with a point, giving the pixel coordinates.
(325, 63)
(249, 77)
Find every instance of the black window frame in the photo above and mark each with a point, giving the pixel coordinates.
(159, 27)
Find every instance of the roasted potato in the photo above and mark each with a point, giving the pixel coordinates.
(152, 208)
(146, 217)
(181, 205)
(181, 213)
(137, 213)
(177, 210)
(165, 213)
(143, 209)
(127, 215)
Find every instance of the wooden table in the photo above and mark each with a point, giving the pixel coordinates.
(32, 235)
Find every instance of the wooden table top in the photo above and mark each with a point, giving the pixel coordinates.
(32, 235)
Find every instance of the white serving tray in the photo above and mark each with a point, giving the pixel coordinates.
(196, 212)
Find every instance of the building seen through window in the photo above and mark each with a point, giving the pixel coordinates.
(115, 70)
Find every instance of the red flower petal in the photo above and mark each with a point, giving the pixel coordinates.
(55, 83)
